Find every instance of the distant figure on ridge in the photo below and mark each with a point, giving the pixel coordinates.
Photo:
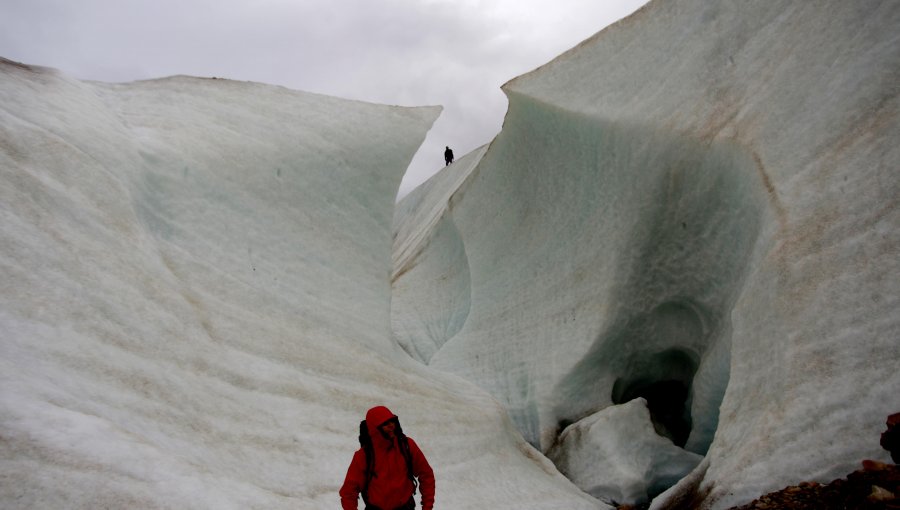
(448, 156)
(385, 469)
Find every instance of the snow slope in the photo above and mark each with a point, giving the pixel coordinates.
(697, 206)
(196, 303)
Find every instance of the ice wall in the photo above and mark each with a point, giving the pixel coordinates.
(423, 220)
(697, 206)
(196, 302)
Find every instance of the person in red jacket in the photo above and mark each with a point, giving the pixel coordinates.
(386, 469)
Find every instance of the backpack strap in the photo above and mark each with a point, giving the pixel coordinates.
(407, 456)
(366, 443)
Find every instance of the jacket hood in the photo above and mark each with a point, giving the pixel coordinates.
(375, 417)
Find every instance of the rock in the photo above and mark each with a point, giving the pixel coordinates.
(890, 439)
(880, 494)
(874, 489)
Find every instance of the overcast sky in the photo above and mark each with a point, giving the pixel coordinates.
(455, 53)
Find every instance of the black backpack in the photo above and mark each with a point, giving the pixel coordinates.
(366, 443)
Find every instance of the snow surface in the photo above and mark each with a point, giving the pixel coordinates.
(700, 199)
(196, 303)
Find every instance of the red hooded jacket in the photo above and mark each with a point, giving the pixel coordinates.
(390, 487)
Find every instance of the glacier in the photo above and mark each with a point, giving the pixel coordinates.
(697, 207)
(673, 275)
(196, 302)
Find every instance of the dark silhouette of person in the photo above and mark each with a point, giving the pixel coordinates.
(448, 156)
(890, 439)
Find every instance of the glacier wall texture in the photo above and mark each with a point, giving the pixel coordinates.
(196, 302)
(698, 206)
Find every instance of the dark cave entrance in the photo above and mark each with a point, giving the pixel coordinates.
(664, 381)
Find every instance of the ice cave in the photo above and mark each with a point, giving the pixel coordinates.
(672, 279)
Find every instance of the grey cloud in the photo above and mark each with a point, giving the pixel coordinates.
(406, 52)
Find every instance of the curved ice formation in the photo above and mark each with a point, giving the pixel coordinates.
(196, 302)
(423, 220)
(640, 254)
(697, 206)
(616, 455)
(634, 248)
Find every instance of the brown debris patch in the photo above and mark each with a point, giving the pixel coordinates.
(876, 487)
(13, 63)
(771, 191)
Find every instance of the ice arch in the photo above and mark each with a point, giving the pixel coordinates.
(603, 260)
(585, 267)
(678, 279)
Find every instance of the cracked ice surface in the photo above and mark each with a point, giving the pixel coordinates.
(195, 307)
(701, 200)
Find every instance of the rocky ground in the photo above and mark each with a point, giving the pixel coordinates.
(874, 487)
